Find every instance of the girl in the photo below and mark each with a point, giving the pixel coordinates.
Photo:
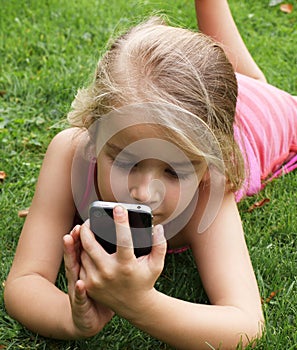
(158, 126)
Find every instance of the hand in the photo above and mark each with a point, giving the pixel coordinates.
(120, 280)
(88, 317)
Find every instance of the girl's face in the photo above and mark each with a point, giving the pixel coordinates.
(138, 165)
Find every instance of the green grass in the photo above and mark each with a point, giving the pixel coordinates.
(48, 49)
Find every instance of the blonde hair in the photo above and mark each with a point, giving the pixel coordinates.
(154, 62)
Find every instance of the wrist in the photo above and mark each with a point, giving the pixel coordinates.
(140, 308)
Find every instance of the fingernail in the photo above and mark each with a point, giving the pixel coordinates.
(74, 229)
(119, 210)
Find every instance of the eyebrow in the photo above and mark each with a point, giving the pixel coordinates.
(118, 150)
(185, 164)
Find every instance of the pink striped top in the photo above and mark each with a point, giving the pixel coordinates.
(266, 131)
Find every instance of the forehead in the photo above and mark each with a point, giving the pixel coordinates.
(138, 132)
(124, 129)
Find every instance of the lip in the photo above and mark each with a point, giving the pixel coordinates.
(157, 219)
(156, 216)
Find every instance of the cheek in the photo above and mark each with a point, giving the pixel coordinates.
(119, 183)
(112, 183)
(180, 196)
(103, 181)
(172, 197)
(172, 191)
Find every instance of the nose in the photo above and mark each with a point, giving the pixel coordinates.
(147, 187)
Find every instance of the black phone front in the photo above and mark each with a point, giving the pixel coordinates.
(103, 227)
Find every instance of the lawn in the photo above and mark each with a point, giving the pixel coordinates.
(48, 50)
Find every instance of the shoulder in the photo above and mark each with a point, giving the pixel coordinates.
(64, 145)
(54, 183)
(256, 91)
(67, 139)
(222, 230)
(58, 159)
(214, 213)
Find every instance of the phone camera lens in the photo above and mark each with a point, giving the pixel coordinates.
(138, 207)
(97, 214)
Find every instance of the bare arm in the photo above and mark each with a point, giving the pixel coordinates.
(227, 275)
(30, 293)
(215, 19)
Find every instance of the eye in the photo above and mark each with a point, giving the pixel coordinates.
(177, 175)
(124, 164)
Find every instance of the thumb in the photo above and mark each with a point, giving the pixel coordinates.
(70, 260)
(80, 296)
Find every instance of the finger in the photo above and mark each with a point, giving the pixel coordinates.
(80, 296)
(70, 260)
(88, 267)
(69, 251)
(125, 248)
(87, 223)
(75, 233)
(82, 273)
(80, 290)
(159, 247)
(89, 243)
(93, 257)
(83, 302)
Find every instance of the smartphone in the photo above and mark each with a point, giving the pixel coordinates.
(103, 226)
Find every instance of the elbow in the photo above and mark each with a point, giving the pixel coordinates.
(11, 298)
(254, 329)
(243, 331)
(8, 299)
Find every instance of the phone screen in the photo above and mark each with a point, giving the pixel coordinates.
(103, 226)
